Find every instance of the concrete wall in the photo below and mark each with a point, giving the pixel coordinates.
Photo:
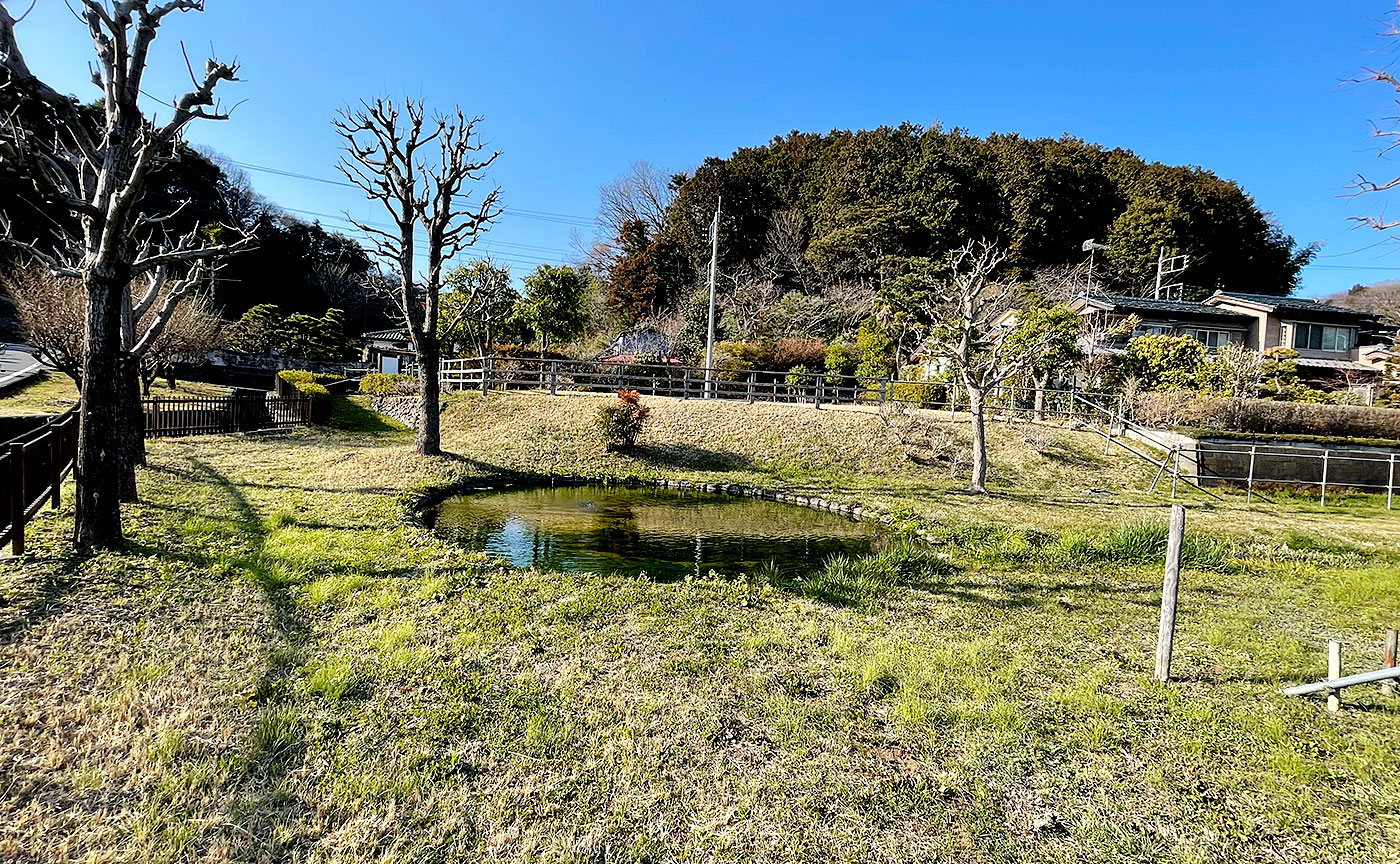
(1226, 462)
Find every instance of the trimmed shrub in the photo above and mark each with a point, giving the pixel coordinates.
(621, 421)
(1267, 417)
(385, 384)
(293, 383)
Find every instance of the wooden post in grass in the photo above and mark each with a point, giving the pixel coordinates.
(752, 378)
(554, 377)
(1390, 485)
(1334, 671)
(1171, 580)
(1391, 642)
(1176, 468)
(1249, 495)
(1323, 502)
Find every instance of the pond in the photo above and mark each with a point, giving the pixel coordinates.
(664, 534)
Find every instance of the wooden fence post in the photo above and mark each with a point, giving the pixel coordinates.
(1249, 494)
(1323, 502)
(554, 377)
(1334, 671)
(685, 383)
(1388, 661)
(1176, 468)
(884, 388)
(1171, 581)
(17, 498)
(817, 392)
(55, 465)
(1390, 484)
(753, 376)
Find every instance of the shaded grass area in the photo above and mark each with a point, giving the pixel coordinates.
(282, 669)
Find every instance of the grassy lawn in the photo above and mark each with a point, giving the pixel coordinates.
(53, 393)
(282, 667)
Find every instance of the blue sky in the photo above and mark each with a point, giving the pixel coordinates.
(572, 93)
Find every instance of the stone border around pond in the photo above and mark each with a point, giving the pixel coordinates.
(431, 498)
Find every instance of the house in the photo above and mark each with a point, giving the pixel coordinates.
(1212, 326)
(1327, 338)
(645, 342)
(389, 351)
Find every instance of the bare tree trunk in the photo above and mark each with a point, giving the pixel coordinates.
(98, 514)
(429, 441)
(975, 396)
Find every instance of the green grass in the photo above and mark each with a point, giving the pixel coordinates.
(282, 667)
(53, 393)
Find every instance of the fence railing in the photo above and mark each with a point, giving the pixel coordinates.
(215, 415)
(698, 382)
(32, 468)
(1262, 468)
(1201, 465)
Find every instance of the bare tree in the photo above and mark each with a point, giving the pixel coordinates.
(963, 307)
(50, 310)
(168, 323)
(190, 333)
(98, 170)
(392, 158)
(1389, 136)
(643, 195)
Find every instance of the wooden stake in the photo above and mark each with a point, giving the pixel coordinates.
(1388, 687)
(1334, 671)
(1171, 580)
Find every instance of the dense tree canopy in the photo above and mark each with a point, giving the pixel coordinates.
(866, 204)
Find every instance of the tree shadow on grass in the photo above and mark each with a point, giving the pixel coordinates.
(350, 416)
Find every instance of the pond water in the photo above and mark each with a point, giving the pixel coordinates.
(665, 534)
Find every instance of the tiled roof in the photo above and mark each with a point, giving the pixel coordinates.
(396, 335)
(1348, 365)
(1158, 307)
(1301, 304)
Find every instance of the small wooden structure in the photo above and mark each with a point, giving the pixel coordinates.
(1335, 682)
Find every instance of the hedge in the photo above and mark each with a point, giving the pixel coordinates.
(1267, 417)
(299, 382)
(385, 384)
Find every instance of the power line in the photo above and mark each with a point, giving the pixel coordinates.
(539, 215)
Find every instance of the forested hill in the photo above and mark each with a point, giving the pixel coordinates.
(820, 209)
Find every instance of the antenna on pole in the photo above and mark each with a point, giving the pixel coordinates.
(710, 341)
(1090, 246)
(1169, 267)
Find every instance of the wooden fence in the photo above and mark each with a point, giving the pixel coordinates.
(221, 414)
(32, 468)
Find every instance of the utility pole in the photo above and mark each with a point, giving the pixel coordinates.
(710, 341)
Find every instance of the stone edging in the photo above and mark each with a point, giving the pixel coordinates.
(430, 498)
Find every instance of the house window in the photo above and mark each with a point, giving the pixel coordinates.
(1320, 337)
(1153, 330)
(1213, 338)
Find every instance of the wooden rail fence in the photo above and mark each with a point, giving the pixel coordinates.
(32, 468)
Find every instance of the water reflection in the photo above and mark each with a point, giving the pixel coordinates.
(663, 533)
